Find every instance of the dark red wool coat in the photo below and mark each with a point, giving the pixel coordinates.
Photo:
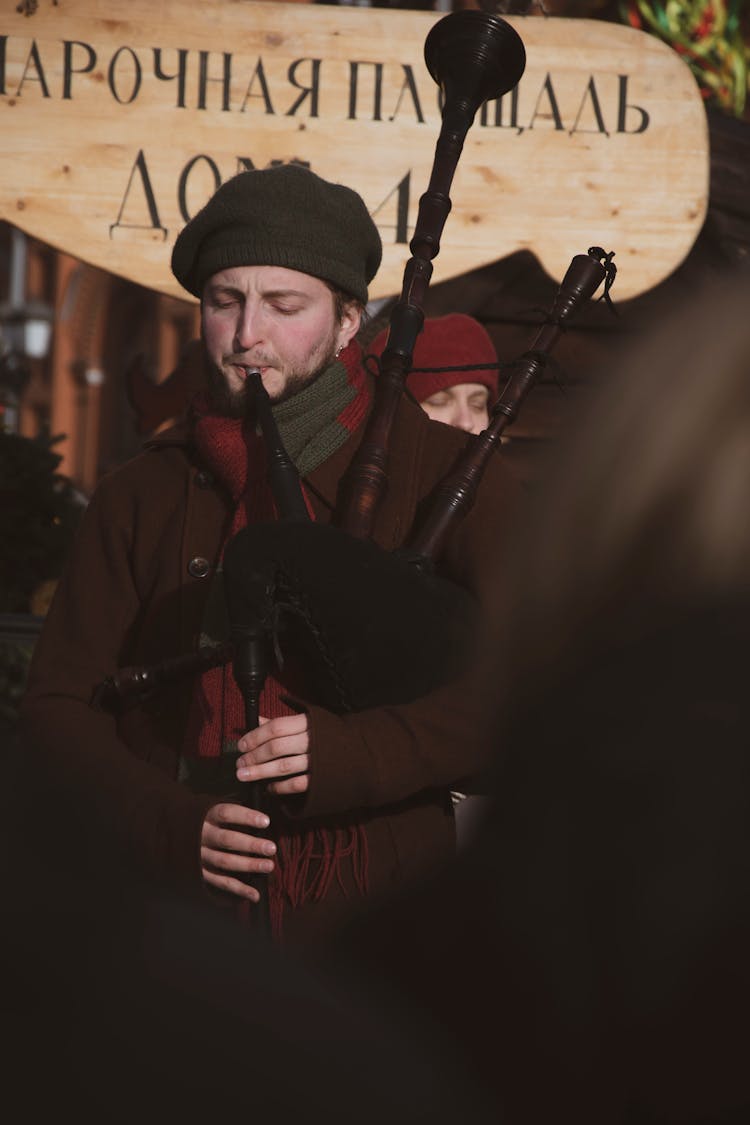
(131, 595)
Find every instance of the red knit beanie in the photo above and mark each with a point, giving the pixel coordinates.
(447, 341)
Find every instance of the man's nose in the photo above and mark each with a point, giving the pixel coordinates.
(247, 329)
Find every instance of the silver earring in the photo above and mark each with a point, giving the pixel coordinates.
(339, 351)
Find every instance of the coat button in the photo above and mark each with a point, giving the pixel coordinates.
(198, 567)
(203, 479)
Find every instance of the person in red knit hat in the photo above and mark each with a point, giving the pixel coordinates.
(454, 374)
(454, 378)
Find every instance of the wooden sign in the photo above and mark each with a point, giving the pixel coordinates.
(119, 120)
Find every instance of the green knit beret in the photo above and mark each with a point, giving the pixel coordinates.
(281, 216)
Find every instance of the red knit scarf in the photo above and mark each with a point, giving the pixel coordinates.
(307, 860)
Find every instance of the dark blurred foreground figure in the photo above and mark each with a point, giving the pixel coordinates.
(599, 926)
(128, 1002)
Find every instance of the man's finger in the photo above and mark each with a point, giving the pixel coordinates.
(241, 843)
(273, 767)
(227, 814)
(270, 729)
(219, 861)
(230, 885)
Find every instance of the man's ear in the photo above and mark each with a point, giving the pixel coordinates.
(351, 318)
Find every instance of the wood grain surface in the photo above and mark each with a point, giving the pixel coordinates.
(116, 130)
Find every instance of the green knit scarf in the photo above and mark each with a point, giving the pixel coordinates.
(310, 423)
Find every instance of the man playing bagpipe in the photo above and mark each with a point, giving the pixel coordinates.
(356, 798)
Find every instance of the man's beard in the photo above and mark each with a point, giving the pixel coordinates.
(231, 403)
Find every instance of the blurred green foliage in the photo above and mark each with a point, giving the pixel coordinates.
(39, 513)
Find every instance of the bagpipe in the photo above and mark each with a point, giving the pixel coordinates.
(297, 585)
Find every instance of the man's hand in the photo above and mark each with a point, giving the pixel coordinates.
(277, 748)
(228, 850)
